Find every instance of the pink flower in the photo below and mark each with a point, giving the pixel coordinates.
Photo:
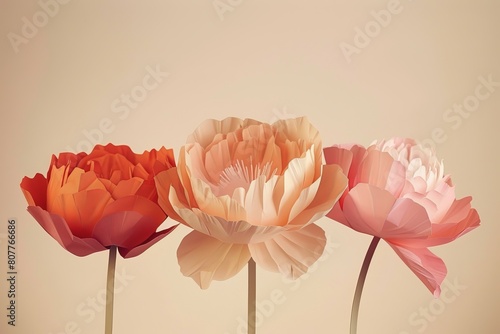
(250, 189)
(89, 202)
(398, 192)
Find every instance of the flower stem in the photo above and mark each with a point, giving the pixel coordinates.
(252, 296)
(110, 290)
(361, 282)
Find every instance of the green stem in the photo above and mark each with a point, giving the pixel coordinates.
(110, 290)
(361, 282)
(252, 296)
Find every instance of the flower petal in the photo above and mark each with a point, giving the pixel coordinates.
(227, 231)
(138, 250)
(168, 184)
(437, 202)
(379, 169)
(222, 206)
(429, 268)
(57, 228)
(291, 252)
(127, 187)
(81, 210)
(35, 190)
(406, 219)
(204, 258)
(332, 185)
(367, 207)
(128, 222)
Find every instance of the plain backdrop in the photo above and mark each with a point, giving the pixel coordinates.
(359, 71)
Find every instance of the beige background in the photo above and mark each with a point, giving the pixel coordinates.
(265, 60)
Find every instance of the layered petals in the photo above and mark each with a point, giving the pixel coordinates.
(398, 192)
(90, 202)
(245, 184)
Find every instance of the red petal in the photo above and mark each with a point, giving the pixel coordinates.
(128, 222)
(138, 250)
(56, 226)
(35, 190)
(82, 210)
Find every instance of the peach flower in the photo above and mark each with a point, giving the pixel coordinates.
(250, 189)
(106, 198)
(398, 192)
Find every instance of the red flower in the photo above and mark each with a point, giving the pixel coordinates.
(90, 202)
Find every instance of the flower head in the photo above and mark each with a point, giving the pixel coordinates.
(250, 189)
(398, 192)
(89, 202)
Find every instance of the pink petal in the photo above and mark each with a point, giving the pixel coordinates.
(128, 222)
(437, 202)
(291, 252)
(138, 250)
(459, 220)
(338, 215)
(447, 232)
(338, 156)
(407, 219)
(366, 208)
(56, 226)
(429, 268)
(379, 169)
(204, 258)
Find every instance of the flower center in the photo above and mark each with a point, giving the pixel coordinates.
(239, 175)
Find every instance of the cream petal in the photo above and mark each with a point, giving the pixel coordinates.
(170, 189)
(332, 185)
(259, 203)
(227, 231)
(209, 128)
(222, 206)
(204, 258)
(298, 175)
(291, 252)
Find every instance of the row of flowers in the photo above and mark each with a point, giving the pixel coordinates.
(251, 190)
